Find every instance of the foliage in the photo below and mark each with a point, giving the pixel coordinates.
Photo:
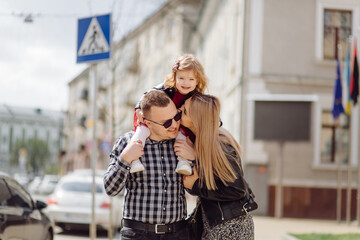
(319, 236)
(37, 154)
(52, 169)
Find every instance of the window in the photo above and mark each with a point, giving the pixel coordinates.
(159, 76)
(4, 193)
(170, 28)
(147, 43)
(11, 139)
(334, 139)
(81, 187)
(160, 37)
(16, 196)
(335, 22)
(36, 134)
(23, 136)
(337, 29)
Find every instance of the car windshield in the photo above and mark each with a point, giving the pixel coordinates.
(80, 187)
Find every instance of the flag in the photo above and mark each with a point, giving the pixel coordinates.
(354, 82)
(347, 97)
(337, 107)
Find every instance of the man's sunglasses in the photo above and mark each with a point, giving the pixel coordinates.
(168, 123)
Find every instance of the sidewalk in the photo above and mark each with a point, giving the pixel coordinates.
(269, 228)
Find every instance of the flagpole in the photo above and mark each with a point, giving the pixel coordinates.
(339, 162)
(339, 188)
(349, 180)
(358, 183)
(347, 76)
(355, 127)
(349, 184)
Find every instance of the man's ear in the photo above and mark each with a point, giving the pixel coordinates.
(140, 115)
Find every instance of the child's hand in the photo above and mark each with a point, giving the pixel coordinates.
(184, 149)
(190, 180)
(134, 150)
(139, 115)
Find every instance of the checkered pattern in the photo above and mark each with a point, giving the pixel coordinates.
(155, 195)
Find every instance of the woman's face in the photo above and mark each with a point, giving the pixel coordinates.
(185, 118)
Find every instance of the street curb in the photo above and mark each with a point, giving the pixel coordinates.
(287, 236)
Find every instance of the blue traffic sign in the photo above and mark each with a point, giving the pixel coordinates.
(94, 39)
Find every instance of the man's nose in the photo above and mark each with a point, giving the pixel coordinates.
(174, 123)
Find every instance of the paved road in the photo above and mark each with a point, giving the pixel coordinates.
(268, 228)
(78, 235)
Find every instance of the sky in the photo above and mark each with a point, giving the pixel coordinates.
(38, 59)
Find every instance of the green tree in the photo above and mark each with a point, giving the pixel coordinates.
(37, 153)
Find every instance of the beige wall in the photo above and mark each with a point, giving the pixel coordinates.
(220, 52)
(289, 66)
(289, 30)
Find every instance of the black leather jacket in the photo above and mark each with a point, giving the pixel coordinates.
(226, 202)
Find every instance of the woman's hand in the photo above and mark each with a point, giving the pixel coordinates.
(190, 180)
(185, 149)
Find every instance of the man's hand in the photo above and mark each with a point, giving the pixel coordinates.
(190, 180)
(185, 149)
(134, 150)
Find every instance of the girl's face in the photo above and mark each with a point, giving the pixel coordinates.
(185, 81)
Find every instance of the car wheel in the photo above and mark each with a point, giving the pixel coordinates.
(49, 236)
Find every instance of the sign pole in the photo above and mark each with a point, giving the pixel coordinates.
(94, 153)
(94, 44)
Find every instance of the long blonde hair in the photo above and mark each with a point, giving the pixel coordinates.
(188, 62)
(212, 142)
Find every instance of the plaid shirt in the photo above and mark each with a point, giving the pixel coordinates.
(155, 195)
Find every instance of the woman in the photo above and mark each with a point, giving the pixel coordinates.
(225, 196)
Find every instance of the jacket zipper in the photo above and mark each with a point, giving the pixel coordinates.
(222, 214)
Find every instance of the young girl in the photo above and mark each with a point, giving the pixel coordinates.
(186, 78)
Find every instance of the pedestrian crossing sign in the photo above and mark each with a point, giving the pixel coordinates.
(94, 39)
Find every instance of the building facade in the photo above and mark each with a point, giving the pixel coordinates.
(20, 123)
(274, 57)
(139, 62)
(289, 52)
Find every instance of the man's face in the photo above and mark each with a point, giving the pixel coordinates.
(160, 115)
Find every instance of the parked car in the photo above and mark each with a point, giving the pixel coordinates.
(33, 186)
(88, 172)
(20, 216)
(70, 204)
(23, 179)
(48, 184)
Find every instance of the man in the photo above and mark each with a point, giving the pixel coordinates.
(155, 205)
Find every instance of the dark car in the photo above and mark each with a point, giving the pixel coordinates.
(20, 216)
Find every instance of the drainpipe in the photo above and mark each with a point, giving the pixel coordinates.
(243, 77)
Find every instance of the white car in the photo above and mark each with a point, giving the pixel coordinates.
(70, 204)
(33, 186)
(48, 184)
